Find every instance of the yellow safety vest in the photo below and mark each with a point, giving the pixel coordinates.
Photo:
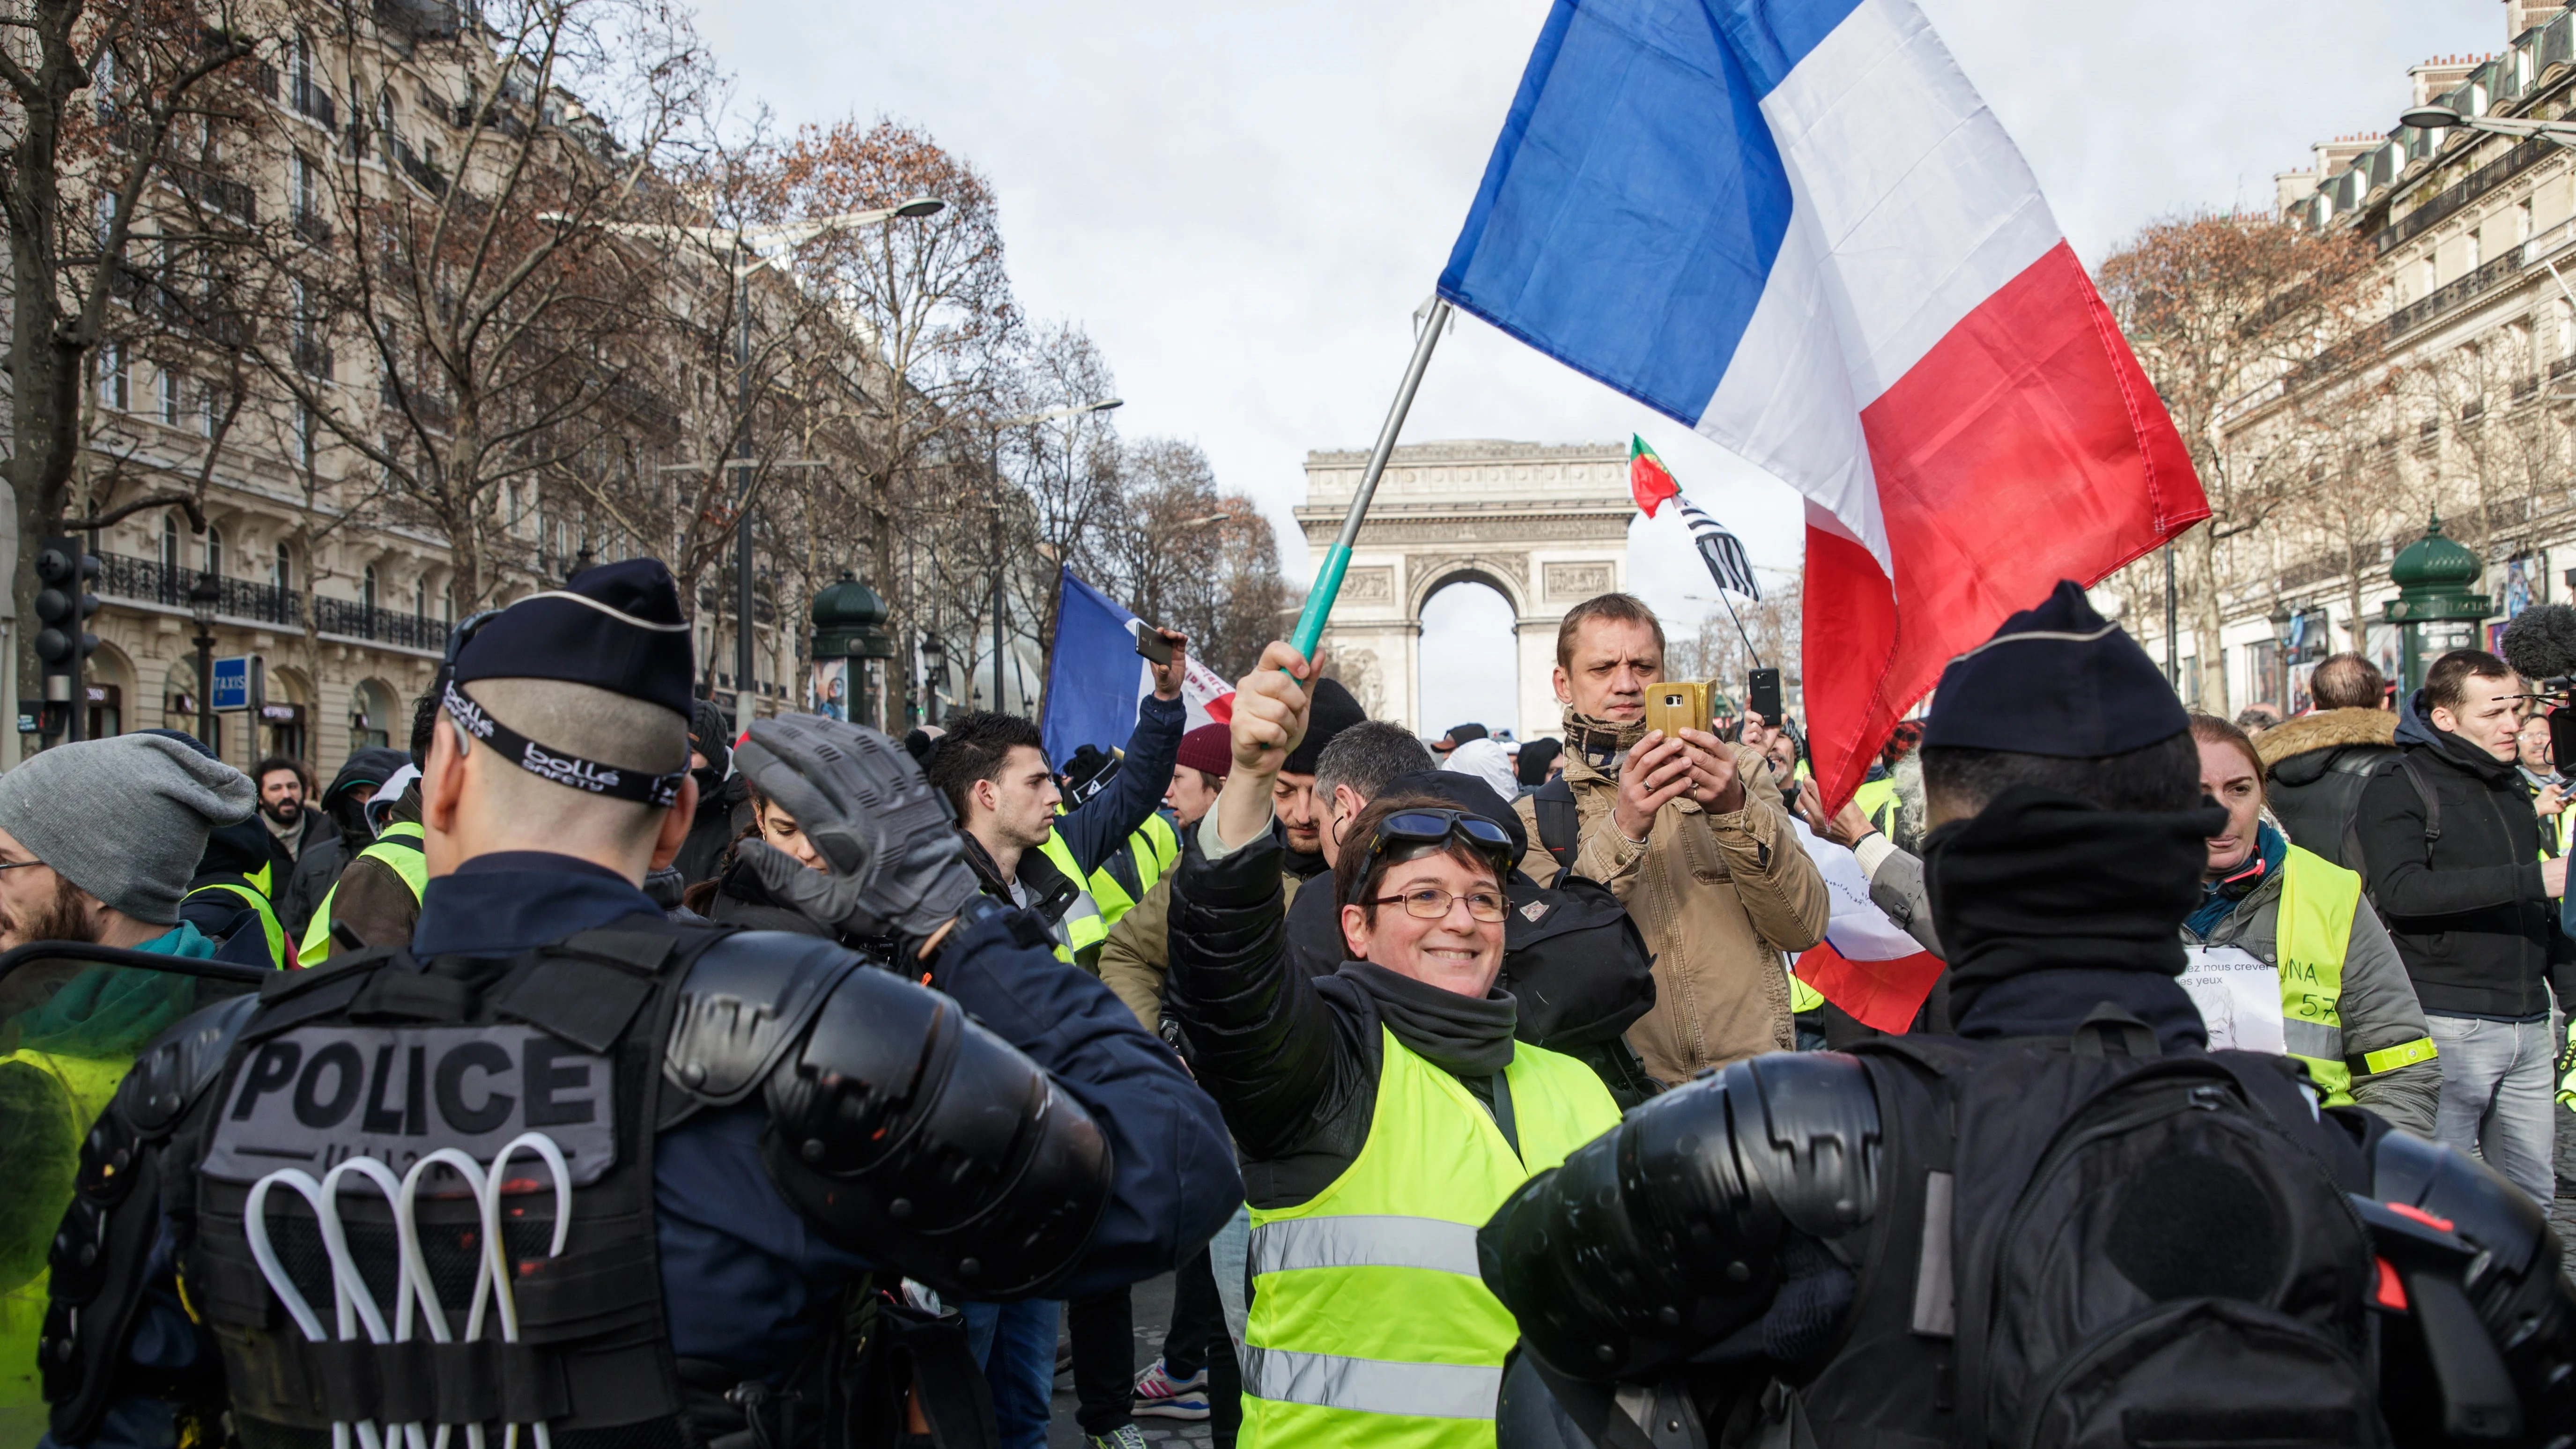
(257, 902)
(398, 847)
(2314, 927)
(1877, 800)
(1370, 1322)
(1081, 929)
(1153, 848)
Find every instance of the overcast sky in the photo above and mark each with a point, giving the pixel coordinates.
(1244, 204)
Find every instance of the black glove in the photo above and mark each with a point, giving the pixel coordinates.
(896, 863)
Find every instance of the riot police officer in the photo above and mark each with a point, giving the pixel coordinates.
(561, 1163)
(2068, 1223)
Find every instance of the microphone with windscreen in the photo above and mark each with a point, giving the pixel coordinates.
(2540, 644)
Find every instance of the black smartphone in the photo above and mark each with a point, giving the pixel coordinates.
(1763, 697)
(1151, 643)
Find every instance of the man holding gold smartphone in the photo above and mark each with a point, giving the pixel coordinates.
(1688, 831)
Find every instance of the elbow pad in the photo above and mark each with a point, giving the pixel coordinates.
(1662, 1237)
(910, 1134)
(2515, 1283)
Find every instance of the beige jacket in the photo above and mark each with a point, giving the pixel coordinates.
(1718, 897)
(1137, 957)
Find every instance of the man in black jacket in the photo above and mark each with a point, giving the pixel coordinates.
(2452, 851)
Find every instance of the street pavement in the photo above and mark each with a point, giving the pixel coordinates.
(1153, 1306)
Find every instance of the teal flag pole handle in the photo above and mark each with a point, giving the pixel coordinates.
(1328, 579)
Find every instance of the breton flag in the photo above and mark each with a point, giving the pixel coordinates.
(1793, 226)
(1722, 551)
(1095, 676)
(1867, 964)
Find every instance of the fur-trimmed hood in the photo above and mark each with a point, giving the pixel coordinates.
(2325, 730)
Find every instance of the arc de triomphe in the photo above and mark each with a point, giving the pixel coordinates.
(1545, 526)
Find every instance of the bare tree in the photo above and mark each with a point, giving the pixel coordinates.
(503, 322)
(100, 102)
(2219, 308)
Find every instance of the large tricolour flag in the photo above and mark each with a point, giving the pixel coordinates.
(1095, 676)
(1793, 226)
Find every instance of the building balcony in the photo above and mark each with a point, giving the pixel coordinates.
(2469, 188)
(311, 229)
(314, 104)
(355, 620)
(151, 581)
(2453, 293)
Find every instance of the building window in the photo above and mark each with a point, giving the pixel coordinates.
(307, 447)
(2474, 255)
(2522, 221)
(2432, 276)
(174, 390)
(214, 550)
(210, 410)
(170, 541)
(420, 597)
(112, 376)
(281, 570)
(308, 187)
(367, 587)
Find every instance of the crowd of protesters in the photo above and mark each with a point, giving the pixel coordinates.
(1402, 968)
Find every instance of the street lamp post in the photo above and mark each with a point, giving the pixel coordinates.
(742, 241)
(999, 574)
(203, 595)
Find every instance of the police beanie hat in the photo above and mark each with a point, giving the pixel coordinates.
(124, 819)
(1332, 711)
(2058, 680)
(616, 627)
(1209, 749)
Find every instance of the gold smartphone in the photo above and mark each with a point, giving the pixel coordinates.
(1674, 705)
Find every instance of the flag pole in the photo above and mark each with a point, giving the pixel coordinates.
(1750, 652)
(1328, 578)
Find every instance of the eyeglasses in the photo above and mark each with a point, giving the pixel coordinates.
(16, 864)
(1434, 827)
(1431, 903)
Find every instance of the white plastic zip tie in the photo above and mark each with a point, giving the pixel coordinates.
(255, 1227)
(496, 1259)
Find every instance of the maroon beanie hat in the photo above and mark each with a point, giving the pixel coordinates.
(1208, 749)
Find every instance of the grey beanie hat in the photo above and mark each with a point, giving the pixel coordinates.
(124, 819)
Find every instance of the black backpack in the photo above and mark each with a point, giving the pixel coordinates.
(2101, 1246)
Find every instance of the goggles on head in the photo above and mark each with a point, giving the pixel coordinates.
(1436, 827)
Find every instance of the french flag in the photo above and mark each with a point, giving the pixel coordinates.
(1793, 226)
(1867, 964)
(1095, 677)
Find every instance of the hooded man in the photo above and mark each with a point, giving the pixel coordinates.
(344, 802)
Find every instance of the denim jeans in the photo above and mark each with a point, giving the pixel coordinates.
(1015, 1345)
(2497, 1094)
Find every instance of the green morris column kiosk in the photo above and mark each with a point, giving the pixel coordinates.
(2437, 608)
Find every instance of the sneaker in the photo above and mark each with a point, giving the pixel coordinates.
(1160, 1394)
(1125, 1436)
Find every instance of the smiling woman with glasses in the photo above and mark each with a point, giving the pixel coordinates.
(1382, 1112)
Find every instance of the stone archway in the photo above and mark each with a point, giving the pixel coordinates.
(1545, 526)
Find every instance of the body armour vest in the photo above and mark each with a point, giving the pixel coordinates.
(425, 1200)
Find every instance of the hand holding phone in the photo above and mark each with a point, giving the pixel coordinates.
(1763, 698)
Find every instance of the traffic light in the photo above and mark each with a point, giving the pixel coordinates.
(63, 606)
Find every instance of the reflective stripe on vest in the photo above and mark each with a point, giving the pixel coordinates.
(269, 925)
(399, 847)
(1081, 928)
(1802, 997)
(1370, 1322)
(2313, 931)
(1149, 853)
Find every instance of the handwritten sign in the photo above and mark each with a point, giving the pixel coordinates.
(2239, 997)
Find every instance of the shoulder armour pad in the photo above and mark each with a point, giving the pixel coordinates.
(747, 998)
(2474, 1198)
(1807, 1135)
(181, 1064)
